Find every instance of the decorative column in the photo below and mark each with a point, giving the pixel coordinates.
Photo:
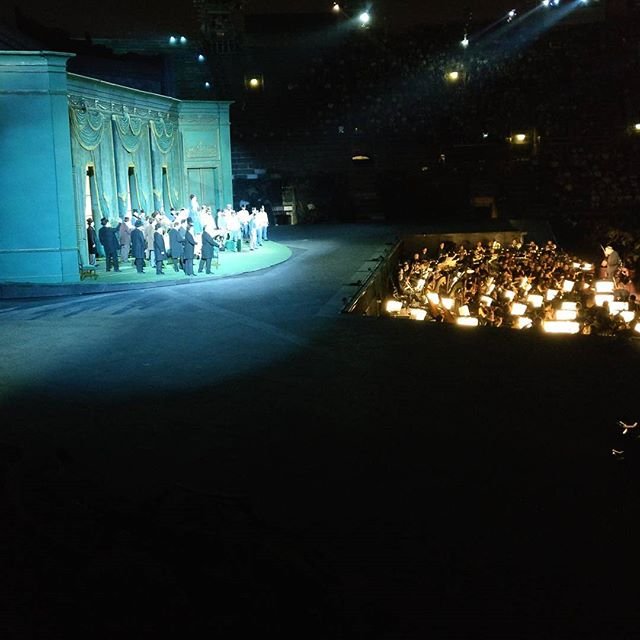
(38, 243)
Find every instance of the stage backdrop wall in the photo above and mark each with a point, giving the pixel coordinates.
(75, 147)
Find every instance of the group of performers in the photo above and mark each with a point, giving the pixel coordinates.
(517, 286)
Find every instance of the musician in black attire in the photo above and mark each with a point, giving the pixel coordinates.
(189, 249)
(209, 249)
(110, 243)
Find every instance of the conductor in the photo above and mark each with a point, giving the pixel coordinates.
(611, 262)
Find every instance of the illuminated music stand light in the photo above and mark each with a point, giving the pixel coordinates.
(616, 306)
(487, 300)
(393, 306)
(569, 305)
(565, 314)
(417, 314)
(518, 309)
(628, 316)
(604, 286)
(447, 303)
(467, 321)
(464, 311)
(601, 298)
(523, 322)
(567, 286)
(535, 300)
(551, 294)
(508, 294)
(561, 326)
(433, 297)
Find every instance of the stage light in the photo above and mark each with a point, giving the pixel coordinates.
(546, 3)
(183, 40)
(511, 15)
(453, 76)
(465, 41)
(604, 286)
(636, 126)
(467, 321)
(535, 300)
(628, 316)
(551, 294)
(464, 311)
(172, 40)
(417, 314)
(364, 18)
(519, 138)
(518, 309)
(447, 303)
(485, 134)
(207, 85)
(560, 326)
(601, 298)
(335, 7)
(433, 297)
(393, 306)
(565, 314)
(201, 58)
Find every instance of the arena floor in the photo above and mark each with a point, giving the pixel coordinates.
(238, 457)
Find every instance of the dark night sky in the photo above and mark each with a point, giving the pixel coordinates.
(99, 18)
